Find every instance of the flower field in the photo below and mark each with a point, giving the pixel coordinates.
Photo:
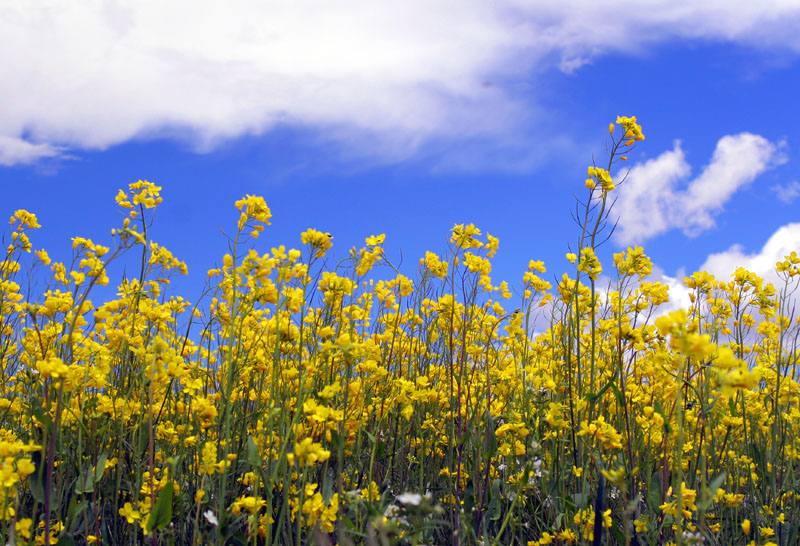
(301, 401)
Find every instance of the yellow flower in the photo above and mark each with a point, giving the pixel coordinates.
(766, 532)
(568, 536)
(602, 176)
(23, 527)
(589, 263)
(432, 262)
(129, 513)
(208, 459)
(464, 236)
(52, 367)
(25, 467)
(371, 493)
(602, 433)
(143, 193)
(633, 131)
(307, 452)
(318, 241)
(249, 504)
(253, 207)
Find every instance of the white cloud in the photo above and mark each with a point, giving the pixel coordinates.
(385, 75)
(788, 192)
(722, 265)
(781, 243)
(650, 201)
(678, 294)
(646, 199)
(15, 150)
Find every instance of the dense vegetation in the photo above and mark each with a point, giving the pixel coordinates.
(304, 402)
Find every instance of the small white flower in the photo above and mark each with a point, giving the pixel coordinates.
(210, 517)
(391, 511)
(414, 499)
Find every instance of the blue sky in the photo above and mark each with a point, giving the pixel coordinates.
(365, 118)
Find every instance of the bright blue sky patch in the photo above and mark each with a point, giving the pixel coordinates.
(405, 118)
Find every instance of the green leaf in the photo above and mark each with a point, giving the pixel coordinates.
(707, 496)
(253, 457)
(85, 483)
(351, 527)
(336, 440)
(793, 533)
(380, 451)
(327, 485)
(633, 503)
(143, 438)
(173, 464)
(654, 492)
(100, 467)
(617, 533)
(620, 396)
(44, 419)
(73, 510)
(469, 497)
(65, 540)
(237, 539)
(579, 500)
(37, 478)
(496, 503)
(161, 514)
(592, 396)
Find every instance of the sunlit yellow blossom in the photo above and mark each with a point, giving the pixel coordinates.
(129, 513)
(318, 241)
(633, 131)
(307, 452)
(601, 176)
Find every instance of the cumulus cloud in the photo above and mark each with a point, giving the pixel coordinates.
(387, 75)
(651, 202)
(722, 265)
(781, 243)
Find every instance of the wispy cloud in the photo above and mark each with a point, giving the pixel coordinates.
(787, 192)
(93, 74)
(651, 201)
(14, 151)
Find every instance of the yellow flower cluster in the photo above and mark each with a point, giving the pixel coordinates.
(300, 403)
